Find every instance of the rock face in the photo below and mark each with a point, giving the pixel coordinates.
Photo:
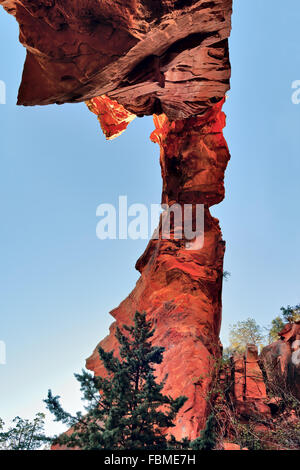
(258, 385)
(258, 408)
(113, 117)
(170, 59)
(180, 289)
(231, 446)
(281, 360)
(151, 56)
(248, 385)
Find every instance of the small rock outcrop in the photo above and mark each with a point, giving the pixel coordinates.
(248, 385)
(281, 360)
(258, 406)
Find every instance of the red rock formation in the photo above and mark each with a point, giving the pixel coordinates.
(249, 389)
(231, 446)
(180, 289)
(254, 387)
(247, 410)
(150, 56)
(113, 117)
(281, 360)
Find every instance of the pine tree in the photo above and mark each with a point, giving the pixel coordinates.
(208, 438)
(130, 411)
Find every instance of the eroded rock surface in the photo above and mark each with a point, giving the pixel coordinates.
(248, 385)
(180, 289)
(168, 58)
(281, 360)
(150, 56)
(258, 407)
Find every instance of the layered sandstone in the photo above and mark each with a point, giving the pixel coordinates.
(248, 385)
(168, 58)
(180, 288)
(112, 116)
(150, 56)
(259, 403)
(281, 361)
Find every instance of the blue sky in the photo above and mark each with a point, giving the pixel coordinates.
(58, 281)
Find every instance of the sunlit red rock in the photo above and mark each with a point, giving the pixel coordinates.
(170, 59)
(180, 289)
(113, 117)
(255, 387)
